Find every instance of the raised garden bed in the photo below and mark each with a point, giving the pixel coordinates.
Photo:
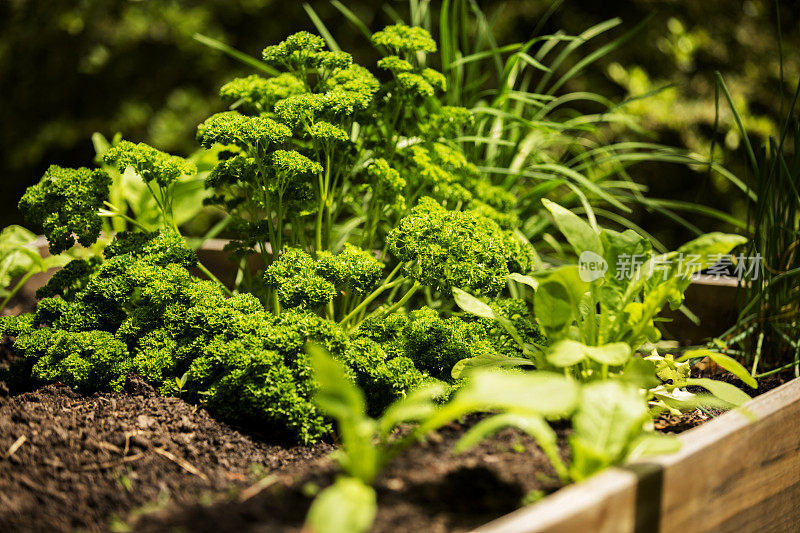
(395, 298)
(153, 463)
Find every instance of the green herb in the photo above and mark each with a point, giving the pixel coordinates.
(369, 444)
(596, 315)
(610, 421)
(20, 260)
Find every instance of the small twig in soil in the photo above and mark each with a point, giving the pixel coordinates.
(183, 463)
(14, 447)
(128, 435)
(257, 487)
(110, 447)
(112, 464)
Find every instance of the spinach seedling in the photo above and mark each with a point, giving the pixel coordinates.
(598, 312)
(610, 421)
(20, 259)
(369, 444)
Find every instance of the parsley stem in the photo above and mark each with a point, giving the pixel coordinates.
(402, 301)
(212, 277)
(16, 288)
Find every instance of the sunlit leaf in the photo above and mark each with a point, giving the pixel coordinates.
(544, 393)
(347, 505)
(728, 363)
(724, 391)
(464, 366)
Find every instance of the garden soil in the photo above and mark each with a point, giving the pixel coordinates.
(139, 461)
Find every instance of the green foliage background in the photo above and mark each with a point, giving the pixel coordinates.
(69, 68)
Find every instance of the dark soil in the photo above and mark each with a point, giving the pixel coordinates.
(141, 461)
(426, 489)
(77, 462)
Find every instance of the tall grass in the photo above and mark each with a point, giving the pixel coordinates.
(538, 139)
(531, 136)
(767, 333)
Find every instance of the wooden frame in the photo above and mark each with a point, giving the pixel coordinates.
(739, 472)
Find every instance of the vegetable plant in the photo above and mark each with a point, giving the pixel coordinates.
(369, 444)
(346, 186)
(360, 223)
(20, 260)
(610, 419)
(596, 314)
(132, 205)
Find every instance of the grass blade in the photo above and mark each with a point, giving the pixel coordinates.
(234, 53)
(321, 28)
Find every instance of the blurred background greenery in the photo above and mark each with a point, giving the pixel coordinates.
(69, 68)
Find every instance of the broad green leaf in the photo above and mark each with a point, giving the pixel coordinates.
(347, 505)
(472, 305)
(53, 261)
(418, 404)
(685, 401)
(724, 391)
(188, 195)
(649, 444)
(587, 460)
(100, 143)
(554, 307)
(566, 353)
(135, 193)
(337, 394)
(465, 366)
(622, 251)
(728, 363)
(544, 393)
(16, 255)
(341, 399)
(705, 250)
(510, 329)
(611, 414)
(641, 373)
(557, 299)
(613, 354)
(527, 280)
(532, 424)
(577, 231)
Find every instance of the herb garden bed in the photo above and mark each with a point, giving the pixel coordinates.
(152, 462)
(139, 460)
(142, 461)
(391, 300)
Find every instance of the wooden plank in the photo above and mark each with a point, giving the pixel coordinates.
(732, 467)
(738, 472)
(602, 504)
